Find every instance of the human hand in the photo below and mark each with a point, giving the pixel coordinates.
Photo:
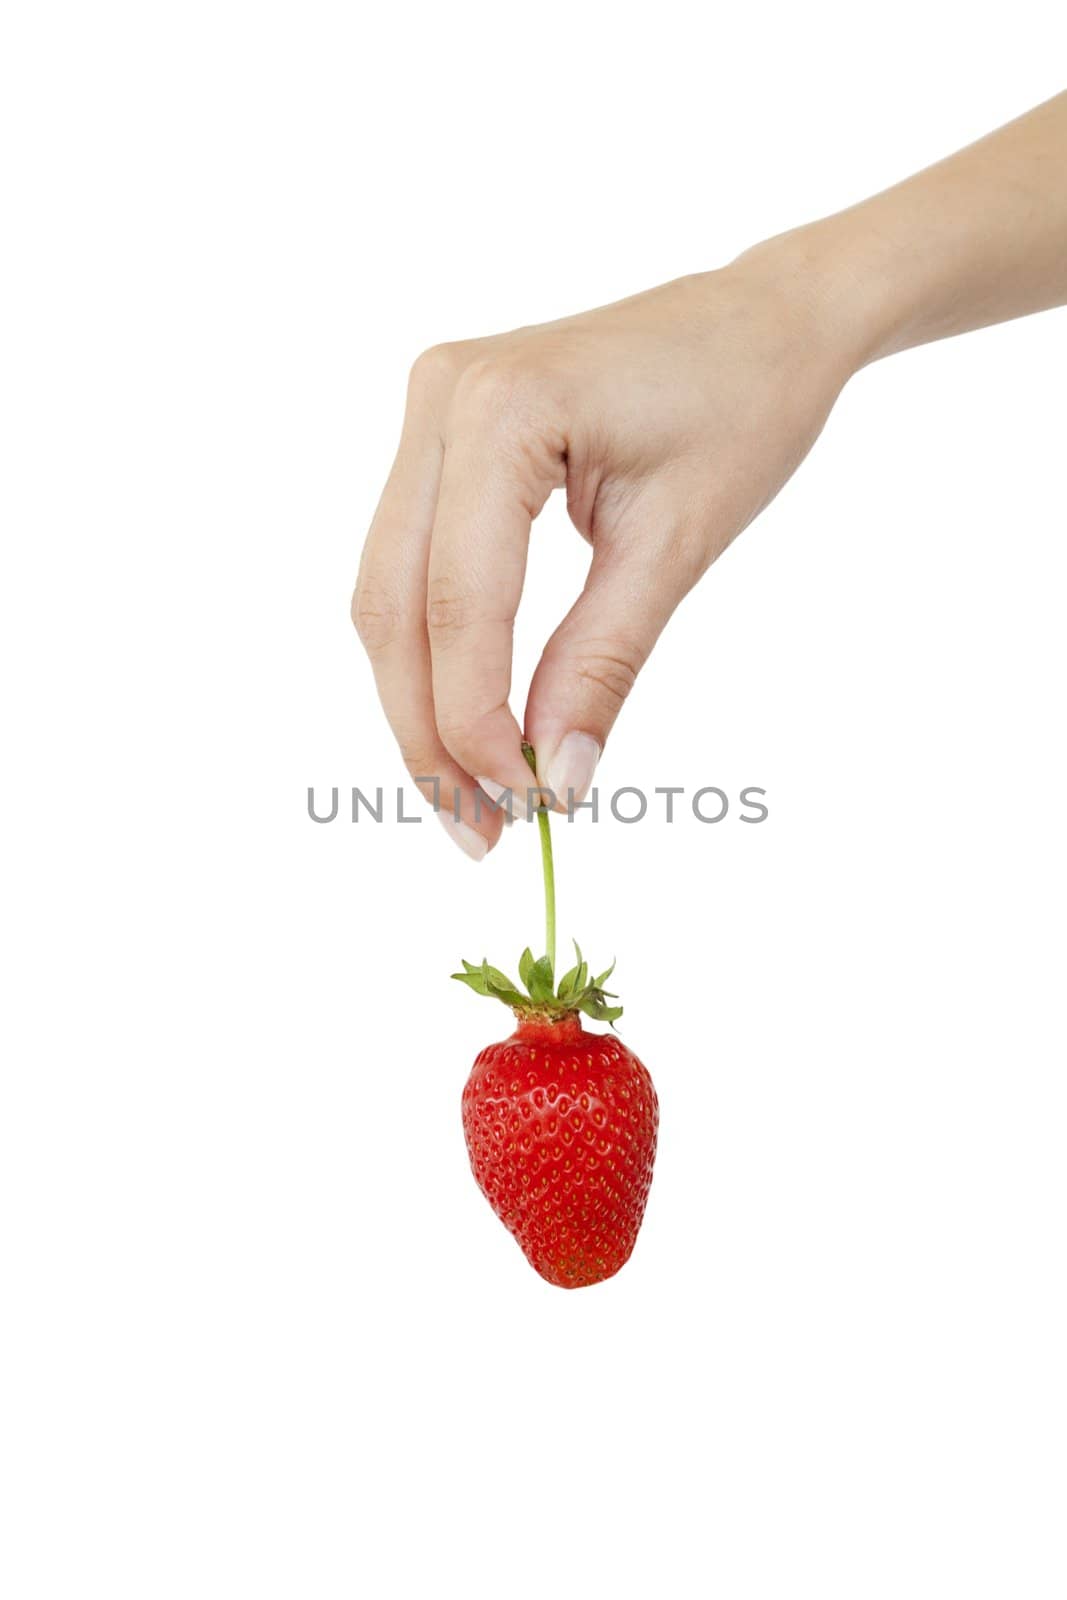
(671, 418)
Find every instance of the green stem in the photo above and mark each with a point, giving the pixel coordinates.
(547, 867)
(550, 887)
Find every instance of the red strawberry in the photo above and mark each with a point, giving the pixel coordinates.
(561, 1132)
(560, 1124)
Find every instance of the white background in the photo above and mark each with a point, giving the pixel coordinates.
(262, 1336)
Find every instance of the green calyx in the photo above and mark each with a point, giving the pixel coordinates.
(577, 991)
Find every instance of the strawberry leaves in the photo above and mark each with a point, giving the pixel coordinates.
(490, 981)
(576, 991)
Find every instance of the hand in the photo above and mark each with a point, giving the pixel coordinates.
(671, 418)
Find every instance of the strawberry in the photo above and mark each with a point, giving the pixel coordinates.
(560, 1126)
(560, 1122)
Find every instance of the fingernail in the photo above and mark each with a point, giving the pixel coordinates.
(470, 841)
(570, 771)
(496, 792)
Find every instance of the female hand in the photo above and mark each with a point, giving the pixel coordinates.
(671, 419)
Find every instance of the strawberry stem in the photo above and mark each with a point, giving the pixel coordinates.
(547, 866)
(545, 1000)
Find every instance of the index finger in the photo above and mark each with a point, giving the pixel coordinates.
(499, 468)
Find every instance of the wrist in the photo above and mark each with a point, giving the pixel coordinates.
(837, 268)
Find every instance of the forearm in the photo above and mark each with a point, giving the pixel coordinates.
(979, 238)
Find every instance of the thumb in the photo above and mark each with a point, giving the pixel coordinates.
(592, 660)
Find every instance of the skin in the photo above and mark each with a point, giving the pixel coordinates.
(671, 419)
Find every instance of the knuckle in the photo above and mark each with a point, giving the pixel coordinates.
(448, 611)
(435, 368)
(493, 391)
(375, 617)
(610, 669)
